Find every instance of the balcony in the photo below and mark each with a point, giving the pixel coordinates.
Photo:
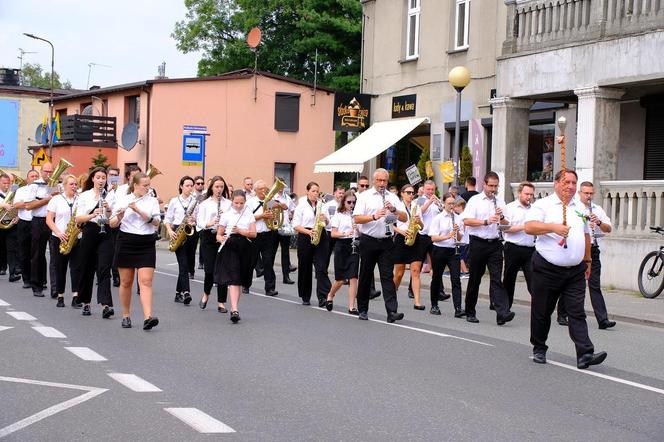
(88, 130)
(536, 25)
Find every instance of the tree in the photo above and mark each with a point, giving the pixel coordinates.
(465, 165)
(292, 32)
(33, 75)
(100, 160)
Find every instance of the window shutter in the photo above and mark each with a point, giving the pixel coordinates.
(654, 157)
(287, 112)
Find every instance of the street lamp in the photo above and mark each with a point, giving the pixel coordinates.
(459, 78)
(50, 106)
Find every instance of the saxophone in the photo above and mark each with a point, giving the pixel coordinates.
(6, 216)
(184, 229)
(413, 227)
(72, 232)
(319, 224)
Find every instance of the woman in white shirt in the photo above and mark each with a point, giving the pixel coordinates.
(138, 218)
(95, 245)
(404, 254)
(234, 266)
(207, 221)
(446, 232)
(178, 208)
(58, 213)
(346, 251)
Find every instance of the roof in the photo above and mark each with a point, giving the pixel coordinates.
(29, 90)
(233, 75)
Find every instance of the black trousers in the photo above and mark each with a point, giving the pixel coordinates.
(191, 252)
(96, 256)
(24, 248)
(486, 254)
(11, 236)
(283, 242)
(376, 251)
(3, 249)
(183, 254)
(427, 249)
(60, 262)
(265, 246)
(309, 255)
(596, 297)
(441, 257)
(548, 283)
(38, 267)
(208, 249)
(516, 258)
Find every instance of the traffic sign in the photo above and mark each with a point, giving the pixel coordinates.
(193, 147)
(40, 158)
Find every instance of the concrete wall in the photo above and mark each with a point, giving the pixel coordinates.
(621, 258)
(631, 148)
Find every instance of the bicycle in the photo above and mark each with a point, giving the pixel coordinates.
(651, 271)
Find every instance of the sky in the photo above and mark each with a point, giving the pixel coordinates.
(130, 36)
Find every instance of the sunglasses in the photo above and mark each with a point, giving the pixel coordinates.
(350, 202)
(199, 184)
(408, 192)
(364, 186)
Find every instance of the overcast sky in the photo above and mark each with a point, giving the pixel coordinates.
(131, 36)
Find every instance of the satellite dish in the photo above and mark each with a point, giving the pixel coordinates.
(90, 110)
(254, 38)
(129, 136)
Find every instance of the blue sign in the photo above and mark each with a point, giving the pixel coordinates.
(9, 133)
(193, 148)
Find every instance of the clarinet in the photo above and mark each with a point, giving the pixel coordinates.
(456, 235)
(388, 232)
(495, 206)
(354, 242)
(102, 220)
(592, 225)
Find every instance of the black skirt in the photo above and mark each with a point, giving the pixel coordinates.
(404, 254)
(235, 262)
(209, 247)
(135, 251)
(346, 265)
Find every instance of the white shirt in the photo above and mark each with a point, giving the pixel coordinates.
(343, 222)
(429, 215)
(38, 190)
(304, 215)
(3, 195)
(482, 207)
(134, 223)
(255, 207)
(87, 202)
(443, 224)
(23, 195)
(369, 202)
(601, 215)
(62, 208)
(329, 209)
(177, 209)
(403, 225)
(234, 218)
(515, 213)
(549, 210)
(208, 209)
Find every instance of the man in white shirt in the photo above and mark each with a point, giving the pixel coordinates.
(483, 213)
(248, 187)
(561, 264)
(21, 198)
(265, 244)
(374, 215)
(362, 186)
(5, 182)
(519, 246)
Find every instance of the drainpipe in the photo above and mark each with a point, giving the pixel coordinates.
(146, 89)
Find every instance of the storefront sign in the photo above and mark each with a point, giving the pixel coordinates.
(9, 131)
(404, 106)
(351, 112)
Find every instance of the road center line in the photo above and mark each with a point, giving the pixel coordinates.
(133, 382)
(199, 421)
(86, 353)
(49, 332)
(22, 316)
(4, 303)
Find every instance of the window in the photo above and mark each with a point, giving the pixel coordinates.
(462, 24)
(132, 109)
(285, 171)
(541, 151)
(413, 30)
(287, 112)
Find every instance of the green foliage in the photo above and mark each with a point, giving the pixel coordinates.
(100, 160)
(465, 165)
(33, 75)
(421, 164)
(292, 31)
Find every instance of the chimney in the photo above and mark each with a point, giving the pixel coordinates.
(161, 71)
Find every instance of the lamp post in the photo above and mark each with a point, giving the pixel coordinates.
(459, 78)
(50, 105)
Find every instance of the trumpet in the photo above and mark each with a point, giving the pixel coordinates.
(438, 202)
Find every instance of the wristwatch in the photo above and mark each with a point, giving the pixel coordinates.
(486, 222)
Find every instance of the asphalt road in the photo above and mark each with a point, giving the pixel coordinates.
(289, 372)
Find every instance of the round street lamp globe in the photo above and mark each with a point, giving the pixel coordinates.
(459, 77)
(562, 122)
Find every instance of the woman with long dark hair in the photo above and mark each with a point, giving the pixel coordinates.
(405, 254)
(207, 222)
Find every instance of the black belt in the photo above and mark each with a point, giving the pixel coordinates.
(486, 240)
(38, 217)
(387, 238)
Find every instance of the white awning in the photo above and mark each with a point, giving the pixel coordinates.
(374, 141)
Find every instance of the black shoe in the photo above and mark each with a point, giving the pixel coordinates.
(329, 305)
(502, 320)
(411, 295)
(322, 303)
(459, 313)
(419, 307)
(306, 302)
(191, 276)
(44, 286)
(442, 296)
(374, 294)
(202, 304)
(606, 324)
(75, 303)
(107, 312)
(86, 310)
(589, 359)
(287, 280)
(235, 317)
(472, 318)
(353, 312)
(14, 278)
(539, 358)
(61, 302)
(292, 269)
(151, 322)
(27, 285)
(54, 295)
(3, 272)
(271, 293)
(245, 290)
(491, 307)
(435, 310)
(259, 273)
(116, 281)
(562, 320)
(186, 298)
(38, 293)
(222, 309)
(363, 316)
(179, 297)
(394, 316)
(126, 322)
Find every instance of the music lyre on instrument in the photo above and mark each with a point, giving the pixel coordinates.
(562, 123)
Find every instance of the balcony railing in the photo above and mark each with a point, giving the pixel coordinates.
(541, 24)
(88, 129)
(633, 206)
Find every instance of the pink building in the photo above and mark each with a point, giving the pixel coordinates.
(259, 126)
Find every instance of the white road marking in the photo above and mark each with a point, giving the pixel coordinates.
(91, 392)
(607, 377)
(199, 421)
(2, 328)
(4, 303)
(172, 264)
(175, 276)
(22, 316)
(133, 382)
(86, 353)
(49, 332)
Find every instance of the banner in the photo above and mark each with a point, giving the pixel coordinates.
(351, 112)
(9, 111)
(446, 171)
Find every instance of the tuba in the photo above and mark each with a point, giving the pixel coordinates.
(278, 219)
(72, 232)
(6, 216)
(413, 227)
(59, 169)
(184, 229)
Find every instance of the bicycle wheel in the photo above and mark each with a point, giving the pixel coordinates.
(651, 275)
